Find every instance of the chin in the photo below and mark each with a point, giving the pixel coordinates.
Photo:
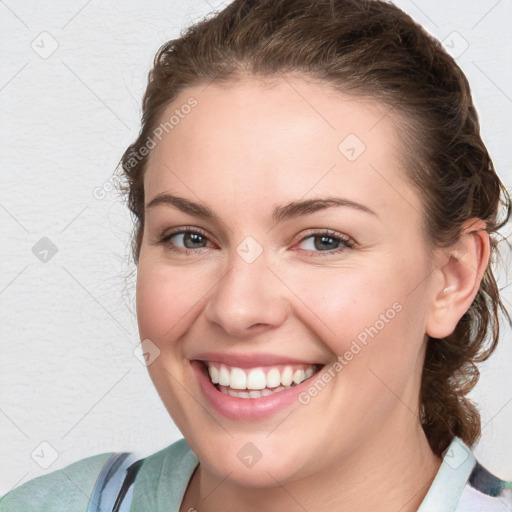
(251, 461)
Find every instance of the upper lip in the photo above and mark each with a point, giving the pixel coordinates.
(249, 360)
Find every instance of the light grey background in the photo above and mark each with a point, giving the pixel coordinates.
(70, 384)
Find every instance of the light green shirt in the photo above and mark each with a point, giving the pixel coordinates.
(461, 484)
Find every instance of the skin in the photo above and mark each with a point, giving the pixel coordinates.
(243, 150)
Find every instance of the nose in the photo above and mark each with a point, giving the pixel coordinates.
(248, 299)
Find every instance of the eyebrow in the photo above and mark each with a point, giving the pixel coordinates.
(280, 213)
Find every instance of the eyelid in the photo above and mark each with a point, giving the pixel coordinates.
(298, 237)
(346, 242)
(167, 234)
(323, 231)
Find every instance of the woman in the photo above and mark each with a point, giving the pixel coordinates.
(316, 214)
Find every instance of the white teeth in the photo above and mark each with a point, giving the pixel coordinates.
(257, 382)
(287, 376)
(253, 393)
(298, 376)
(273, 378)
(224, 376)
(237, 394)
(214, 374)
(238, 379)
(256, 379)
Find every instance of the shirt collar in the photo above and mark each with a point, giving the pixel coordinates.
(452, 476)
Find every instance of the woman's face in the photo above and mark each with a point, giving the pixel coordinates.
(246, 179)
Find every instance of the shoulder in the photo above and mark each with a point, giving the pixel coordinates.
(160, 481)
(485, 491)
(163, 477)
(67, 489)
(170, 457)
(462, 484)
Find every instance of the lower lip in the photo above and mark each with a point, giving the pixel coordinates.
(247, 408)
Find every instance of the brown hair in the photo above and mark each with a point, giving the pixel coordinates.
(366, 48)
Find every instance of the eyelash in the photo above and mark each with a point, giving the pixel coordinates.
(346, 242)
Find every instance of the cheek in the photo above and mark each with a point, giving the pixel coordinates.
(166, 300)
(367, 315)
(348, 300)
(370, 321)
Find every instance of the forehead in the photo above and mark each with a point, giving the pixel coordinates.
(285, 137)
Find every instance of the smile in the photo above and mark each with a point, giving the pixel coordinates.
(258, 382)
(251, 387)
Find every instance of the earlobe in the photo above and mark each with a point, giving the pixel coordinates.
(461, 273)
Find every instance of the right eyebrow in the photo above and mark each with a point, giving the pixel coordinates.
(183, 204)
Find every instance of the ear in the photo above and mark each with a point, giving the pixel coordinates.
(461, 270)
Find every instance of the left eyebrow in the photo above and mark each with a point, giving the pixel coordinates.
(299, 208)
(280, 213)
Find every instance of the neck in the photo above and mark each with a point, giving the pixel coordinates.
(390, 472)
